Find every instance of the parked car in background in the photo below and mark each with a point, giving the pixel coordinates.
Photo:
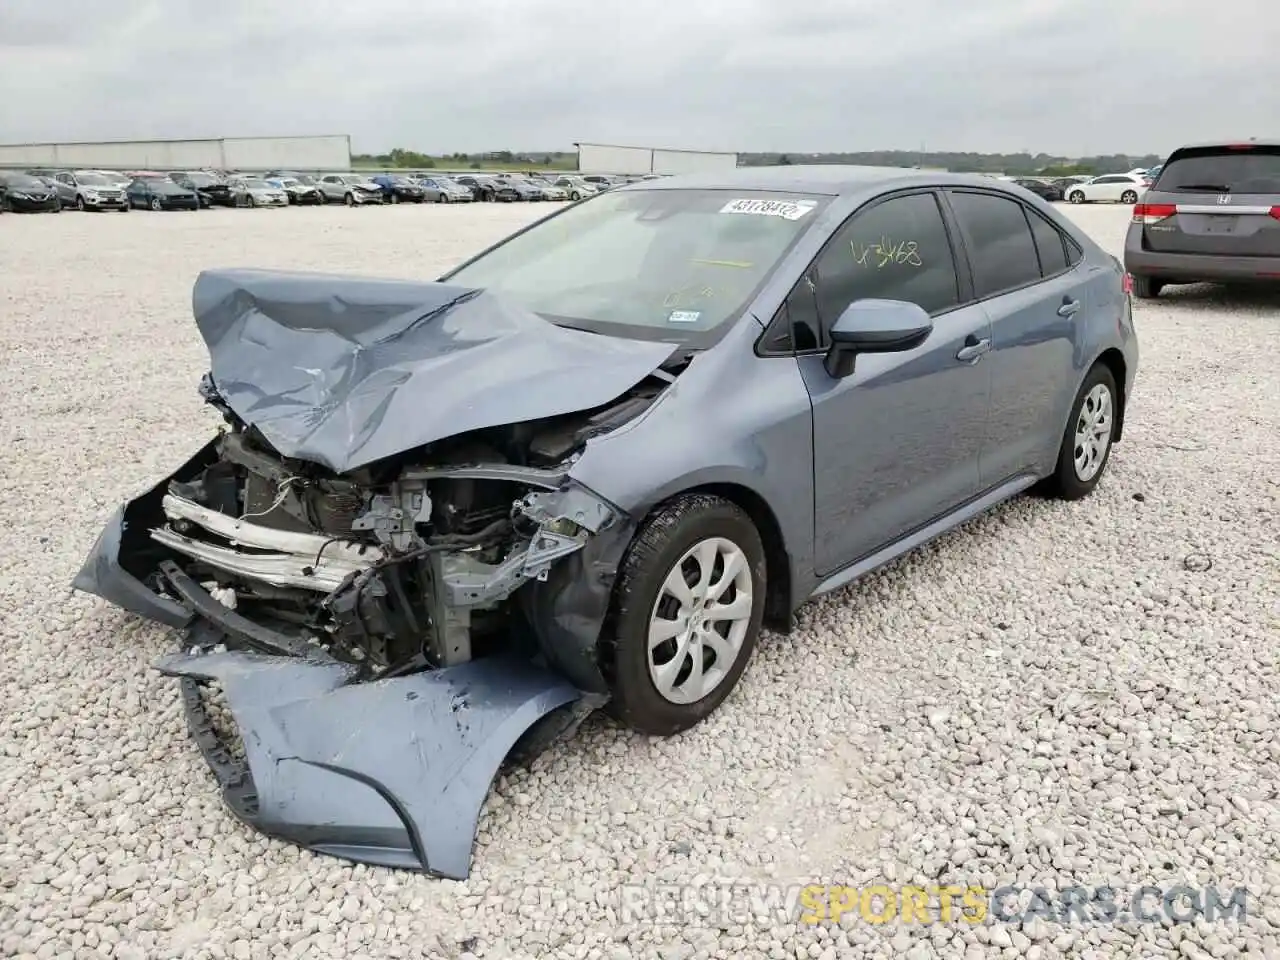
(1212, 215)
(1112, 188)
(524, 189)
(158, 192)
(1154, 172)
(575, 187)
(256, 192)
(599, 181)
(353, 189)
(88, 190)
(489, 188)
(213, 190)
(399, 189)
(550, 191)
(439, 189)
(26, 193)
(300, 190)
(1043, 189)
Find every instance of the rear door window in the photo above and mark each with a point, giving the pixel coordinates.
(1246, 169)
(1001, 248)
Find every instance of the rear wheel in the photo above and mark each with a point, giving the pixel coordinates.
(1129, 196)
(1147, 288)
(687, 613)
(1076, 196)
(1086, 443)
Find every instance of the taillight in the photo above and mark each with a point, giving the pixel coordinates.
(1127, 283)
(1153, 212)
(1275, 212)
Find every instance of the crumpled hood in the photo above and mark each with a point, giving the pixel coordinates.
(345, 371)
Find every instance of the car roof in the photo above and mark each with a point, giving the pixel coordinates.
(1244, 142)
(827, 179)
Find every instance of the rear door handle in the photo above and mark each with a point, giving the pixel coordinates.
(973, 350)
(1068, 308)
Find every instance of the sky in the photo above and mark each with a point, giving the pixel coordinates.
(1065, 77)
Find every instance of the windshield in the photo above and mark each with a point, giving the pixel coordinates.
(92, 180)
(254, 183)
(21, 181)
(199, 179)
(287, 182)
(663, 264)
(1248, 169)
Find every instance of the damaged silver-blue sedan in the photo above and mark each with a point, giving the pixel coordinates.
(446, 520)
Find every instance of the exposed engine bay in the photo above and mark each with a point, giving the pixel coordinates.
(399, 566)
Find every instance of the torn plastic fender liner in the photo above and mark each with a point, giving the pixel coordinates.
(124, 555)
(391, 772)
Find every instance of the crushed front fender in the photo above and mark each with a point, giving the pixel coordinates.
(391, 772)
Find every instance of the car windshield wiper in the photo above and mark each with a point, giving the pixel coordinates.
(1208, 187)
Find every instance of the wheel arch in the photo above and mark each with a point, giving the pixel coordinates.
(778, 576)
(1113, 360)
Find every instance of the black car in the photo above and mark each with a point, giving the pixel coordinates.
(23, 193)
(1043, 190)
(213, 191)
(161, 193)
(399, 189)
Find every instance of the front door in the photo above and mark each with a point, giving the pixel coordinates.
(896, 443)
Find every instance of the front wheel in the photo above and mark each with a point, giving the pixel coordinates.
(441, 198)
(1076, 196)
(157, 204)
(395, 198)
(1086, 443)
(575, 196)
(249, 201)
(79, 204)
(349, 199)
(687, 613)
(1129, 196)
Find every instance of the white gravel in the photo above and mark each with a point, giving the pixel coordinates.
(1058, 694)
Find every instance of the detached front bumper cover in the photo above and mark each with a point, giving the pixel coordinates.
(392, 772)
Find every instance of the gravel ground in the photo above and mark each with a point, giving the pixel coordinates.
(1058, 694)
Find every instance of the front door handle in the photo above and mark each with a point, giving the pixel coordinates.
(973, 350)
(1068, 308)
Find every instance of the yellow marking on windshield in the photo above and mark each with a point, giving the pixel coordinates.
(743, 264)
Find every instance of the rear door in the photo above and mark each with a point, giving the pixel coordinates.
(1217, 201)
(1024, 275)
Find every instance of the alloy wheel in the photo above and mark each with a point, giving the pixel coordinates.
(700, 620)
(1093, 432)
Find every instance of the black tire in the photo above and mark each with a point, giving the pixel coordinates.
(671, 531)
(1129, 196)
(440, 198)
(349, 199)
(1066, 483)
(157, 204)
(1076, 196)
(395, 198)
(79, 203)
(575, 196)
(1147, 288)
(249, 201)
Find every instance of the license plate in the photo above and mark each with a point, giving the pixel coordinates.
(1220, 225)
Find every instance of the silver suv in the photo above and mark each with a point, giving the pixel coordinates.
(1213, 214)
(89, 190)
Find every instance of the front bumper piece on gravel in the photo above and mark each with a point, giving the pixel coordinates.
(391, 772)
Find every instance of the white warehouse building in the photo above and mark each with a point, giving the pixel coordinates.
(224, 153)
(613, 158)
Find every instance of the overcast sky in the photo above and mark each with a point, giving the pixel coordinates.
(1061, 76)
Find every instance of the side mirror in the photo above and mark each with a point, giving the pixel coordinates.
(875, 326)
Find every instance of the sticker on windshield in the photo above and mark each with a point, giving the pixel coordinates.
(684, 316)
(787, 209)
